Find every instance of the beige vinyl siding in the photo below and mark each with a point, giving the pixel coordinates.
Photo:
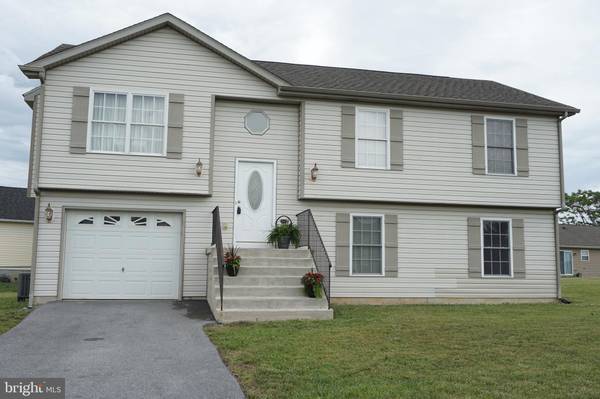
(15, 244)
(437, 162)
(432, 241)
(164, 61)
(279, 143)
(231, 141)
(432, 254)
(197, 232)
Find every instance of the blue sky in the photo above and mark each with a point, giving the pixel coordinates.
(549, 48)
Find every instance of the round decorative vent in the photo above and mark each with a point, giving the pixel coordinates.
(256, 122)
(255, 190)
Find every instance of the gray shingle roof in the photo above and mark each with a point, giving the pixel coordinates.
(579, 236)
(15, 205)
(407, 84)
(365, 82)
(58, 49)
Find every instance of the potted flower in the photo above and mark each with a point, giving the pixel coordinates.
(284, 233)
(313, 284)
(232, 261)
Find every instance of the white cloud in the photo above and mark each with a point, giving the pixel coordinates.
(544, 47)
(13, 173)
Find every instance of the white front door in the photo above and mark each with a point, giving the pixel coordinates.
(122, 255)
(254, 209)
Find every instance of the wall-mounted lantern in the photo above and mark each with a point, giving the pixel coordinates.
(49, 212)
(313, 172)
(199, 167)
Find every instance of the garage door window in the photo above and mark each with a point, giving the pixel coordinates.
(138, 221)
(162, 223)
(112, 220)
(89, 220)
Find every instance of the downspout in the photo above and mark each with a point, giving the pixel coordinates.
(35, 185)
(562, 203)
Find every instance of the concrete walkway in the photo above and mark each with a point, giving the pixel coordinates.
(120, 349)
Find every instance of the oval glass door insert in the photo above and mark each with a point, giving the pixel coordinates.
(255, 190)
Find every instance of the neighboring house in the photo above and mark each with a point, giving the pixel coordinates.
(580, 250)
(16, 230)
(423, 188)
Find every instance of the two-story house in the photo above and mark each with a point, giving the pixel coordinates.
(422, 188)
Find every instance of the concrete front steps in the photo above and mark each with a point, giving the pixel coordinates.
(268, 287)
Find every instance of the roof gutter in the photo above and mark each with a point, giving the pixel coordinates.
(352, 95)
(33, 72)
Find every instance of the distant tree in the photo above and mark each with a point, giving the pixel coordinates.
(582, 207)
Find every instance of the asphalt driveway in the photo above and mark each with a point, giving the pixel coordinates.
(119, 349)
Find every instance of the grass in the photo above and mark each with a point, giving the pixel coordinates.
(11, 311)
(425, 351)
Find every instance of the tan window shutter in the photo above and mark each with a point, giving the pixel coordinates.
(348, 136)
(79, 120)
(474, 246)
(478, 144)
(522, 148)
(518, 250)
(396, 140)
(342, 244)
(391, 246)
(175, 128)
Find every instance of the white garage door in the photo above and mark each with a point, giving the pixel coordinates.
(122, 255)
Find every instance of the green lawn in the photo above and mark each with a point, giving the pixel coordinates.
(425, 351)
(11, 311)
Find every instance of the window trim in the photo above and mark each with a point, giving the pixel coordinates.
(510, 242)
(382, 217)
(128, 119)
(581, 255)
(572, 268)
(387, 138)
(514, 131)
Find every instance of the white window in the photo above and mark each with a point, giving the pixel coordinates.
(127, 123)
(585, 255)
(372, 138)
(366, 245)
(496, 248)
(566, 263)
(500, 146)
(109, 122)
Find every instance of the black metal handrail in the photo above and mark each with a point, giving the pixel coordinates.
(217, 241)
(311, 238)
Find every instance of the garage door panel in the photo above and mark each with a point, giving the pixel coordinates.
(107, 287)
(81, 287)
(113, 241)
(122, 255)
(161, 288)
(84, 240)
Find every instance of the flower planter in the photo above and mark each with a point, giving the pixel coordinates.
(309, 291)
(284, 242)
(313, 286)
(313, 291)
(231, 270)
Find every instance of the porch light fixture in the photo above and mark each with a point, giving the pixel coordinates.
(49, 212)
(199, 167)
(313, 172)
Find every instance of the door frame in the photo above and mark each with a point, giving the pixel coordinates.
(235, 188)
(63, 240)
